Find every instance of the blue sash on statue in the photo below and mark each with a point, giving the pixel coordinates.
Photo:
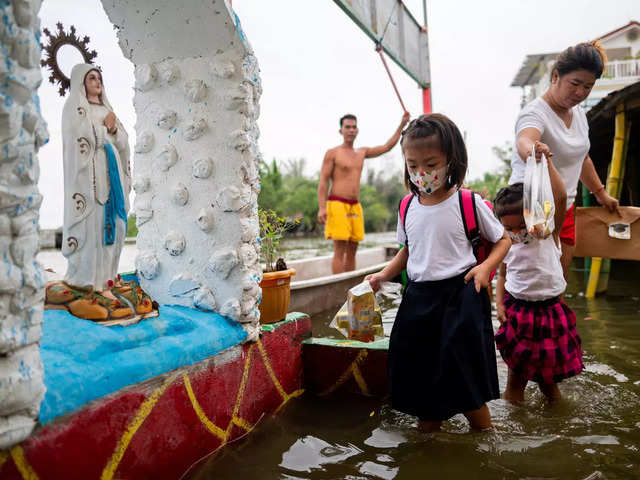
(114, 207)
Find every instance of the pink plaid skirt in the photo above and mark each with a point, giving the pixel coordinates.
(539, 340)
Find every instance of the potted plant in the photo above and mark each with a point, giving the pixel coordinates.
(276, 277)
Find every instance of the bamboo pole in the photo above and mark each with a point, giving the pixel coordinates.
(613, 182)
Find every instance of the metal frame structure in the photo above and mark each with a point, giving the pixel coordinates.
(423, 79)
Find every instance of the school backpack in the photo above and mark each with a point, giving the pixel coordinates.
(467, 200)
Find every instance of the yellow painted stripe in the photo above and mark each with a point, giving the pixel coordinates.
(17, 454)
(357, 374)
(294, 394)
(242, 423)
(140, 416)
(212, 427)
(347, 373)
(267, 364)
(240, 394)
(243, 382)
(3, 458)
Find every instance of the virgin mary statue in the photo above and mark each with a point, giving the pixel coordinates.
(97, 182)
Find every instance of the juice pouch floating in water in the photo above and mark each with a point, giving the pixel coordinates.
(538, 204)
(359, 318)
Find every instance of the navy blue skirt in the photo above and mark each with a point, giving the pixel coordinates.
(442, 358)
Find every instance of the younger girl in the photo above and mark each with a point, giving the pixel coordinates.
(537, 339)
(441, 352)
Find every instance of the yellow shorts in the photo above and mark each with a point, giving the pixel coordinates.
(344, 221)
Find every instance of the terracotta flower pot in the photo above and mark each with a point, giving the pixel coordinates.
(275, 295)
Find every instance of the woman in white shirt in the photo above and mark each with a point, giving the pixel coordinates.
(557, 120)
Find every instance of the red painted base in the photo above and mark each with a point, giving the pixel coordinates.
(158, 429)
(331, 368)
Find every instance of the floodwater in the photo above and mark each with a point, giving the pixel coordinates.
(593, 433)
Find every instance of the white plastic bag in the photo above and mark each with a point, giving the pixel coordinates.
(538, 204)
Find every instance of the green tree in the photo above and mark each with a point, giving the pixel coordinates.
(300, 201)
(271, 189)
(493, 181)
(376, 214)
(132, 229)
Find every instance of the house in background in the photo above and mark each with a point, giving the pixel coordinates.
(622, 46)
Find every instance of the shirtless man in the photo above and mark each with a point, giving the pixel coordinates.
(341, 212)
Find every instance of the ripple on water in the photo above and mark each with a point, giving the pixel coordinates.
(310, 453)
(378, 471)
(596, 439)
(602, 369)
(381, 438)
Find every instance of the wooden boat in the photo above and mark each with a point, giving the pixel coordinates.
(316, 289)
(152, 399)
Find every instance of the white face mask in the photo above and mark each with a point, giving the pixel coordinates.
(522, 236)
(429, 182)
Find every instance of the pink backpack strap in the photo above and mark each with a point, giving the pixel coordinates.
(403, 208)
(469, 217)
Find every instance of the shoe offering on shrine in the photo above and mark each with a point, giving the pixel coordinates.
(133, 295)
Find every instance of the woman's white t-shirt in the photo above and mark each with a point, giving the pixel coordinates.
(570, 146)
(438, 246)
(534, 271)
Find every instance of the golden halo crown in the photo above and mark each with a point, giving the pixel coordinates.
(51, 52)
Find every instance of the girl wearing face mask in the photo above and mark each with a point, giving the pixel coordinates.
(537, 338)
(441, 351)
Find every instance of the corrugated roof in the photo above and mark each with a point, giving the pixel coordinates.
(532, 69)
(606, 107)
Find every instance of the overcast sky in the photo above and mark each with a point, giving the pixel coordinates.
(317, 65)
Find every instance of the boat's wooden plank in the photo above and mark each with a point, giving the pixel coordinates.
(329, 368)
(381, 344)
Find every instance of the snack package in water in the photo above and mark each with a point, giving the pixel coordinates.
(360, 317)
(538, 203)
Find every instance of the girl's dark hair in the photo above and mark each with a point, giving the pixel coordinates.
(583, 56)
(450, 143)
(508, 201)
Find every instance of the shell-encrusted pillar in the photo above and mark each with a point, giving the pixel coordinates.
(22, 132)
(195, 168)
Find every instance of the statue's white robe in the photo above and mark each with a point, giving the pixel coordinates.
(86, 187)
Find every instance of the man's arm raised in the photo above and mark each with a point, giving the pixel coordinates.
(371, 152)
(323, 184)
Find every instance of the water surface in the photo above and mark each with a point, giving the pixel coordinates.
(594, 432)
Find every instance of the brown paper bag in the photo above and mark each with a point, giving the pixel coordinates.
(593, 230)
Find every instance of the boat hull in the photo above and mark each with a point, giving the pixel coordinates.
(159, 428)
(332, 365)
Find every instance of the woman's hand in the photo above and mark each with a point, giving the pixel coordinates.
(375, 280)
(502, 315)
(608, 202)
(110, 122)
(480, 276)
(542, 149)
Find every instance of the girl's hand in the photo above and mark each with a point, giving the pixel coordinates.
(542, 149)
(110, 122)
(502, 316)
(480, 276)
(375, 280)
(608, 201)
